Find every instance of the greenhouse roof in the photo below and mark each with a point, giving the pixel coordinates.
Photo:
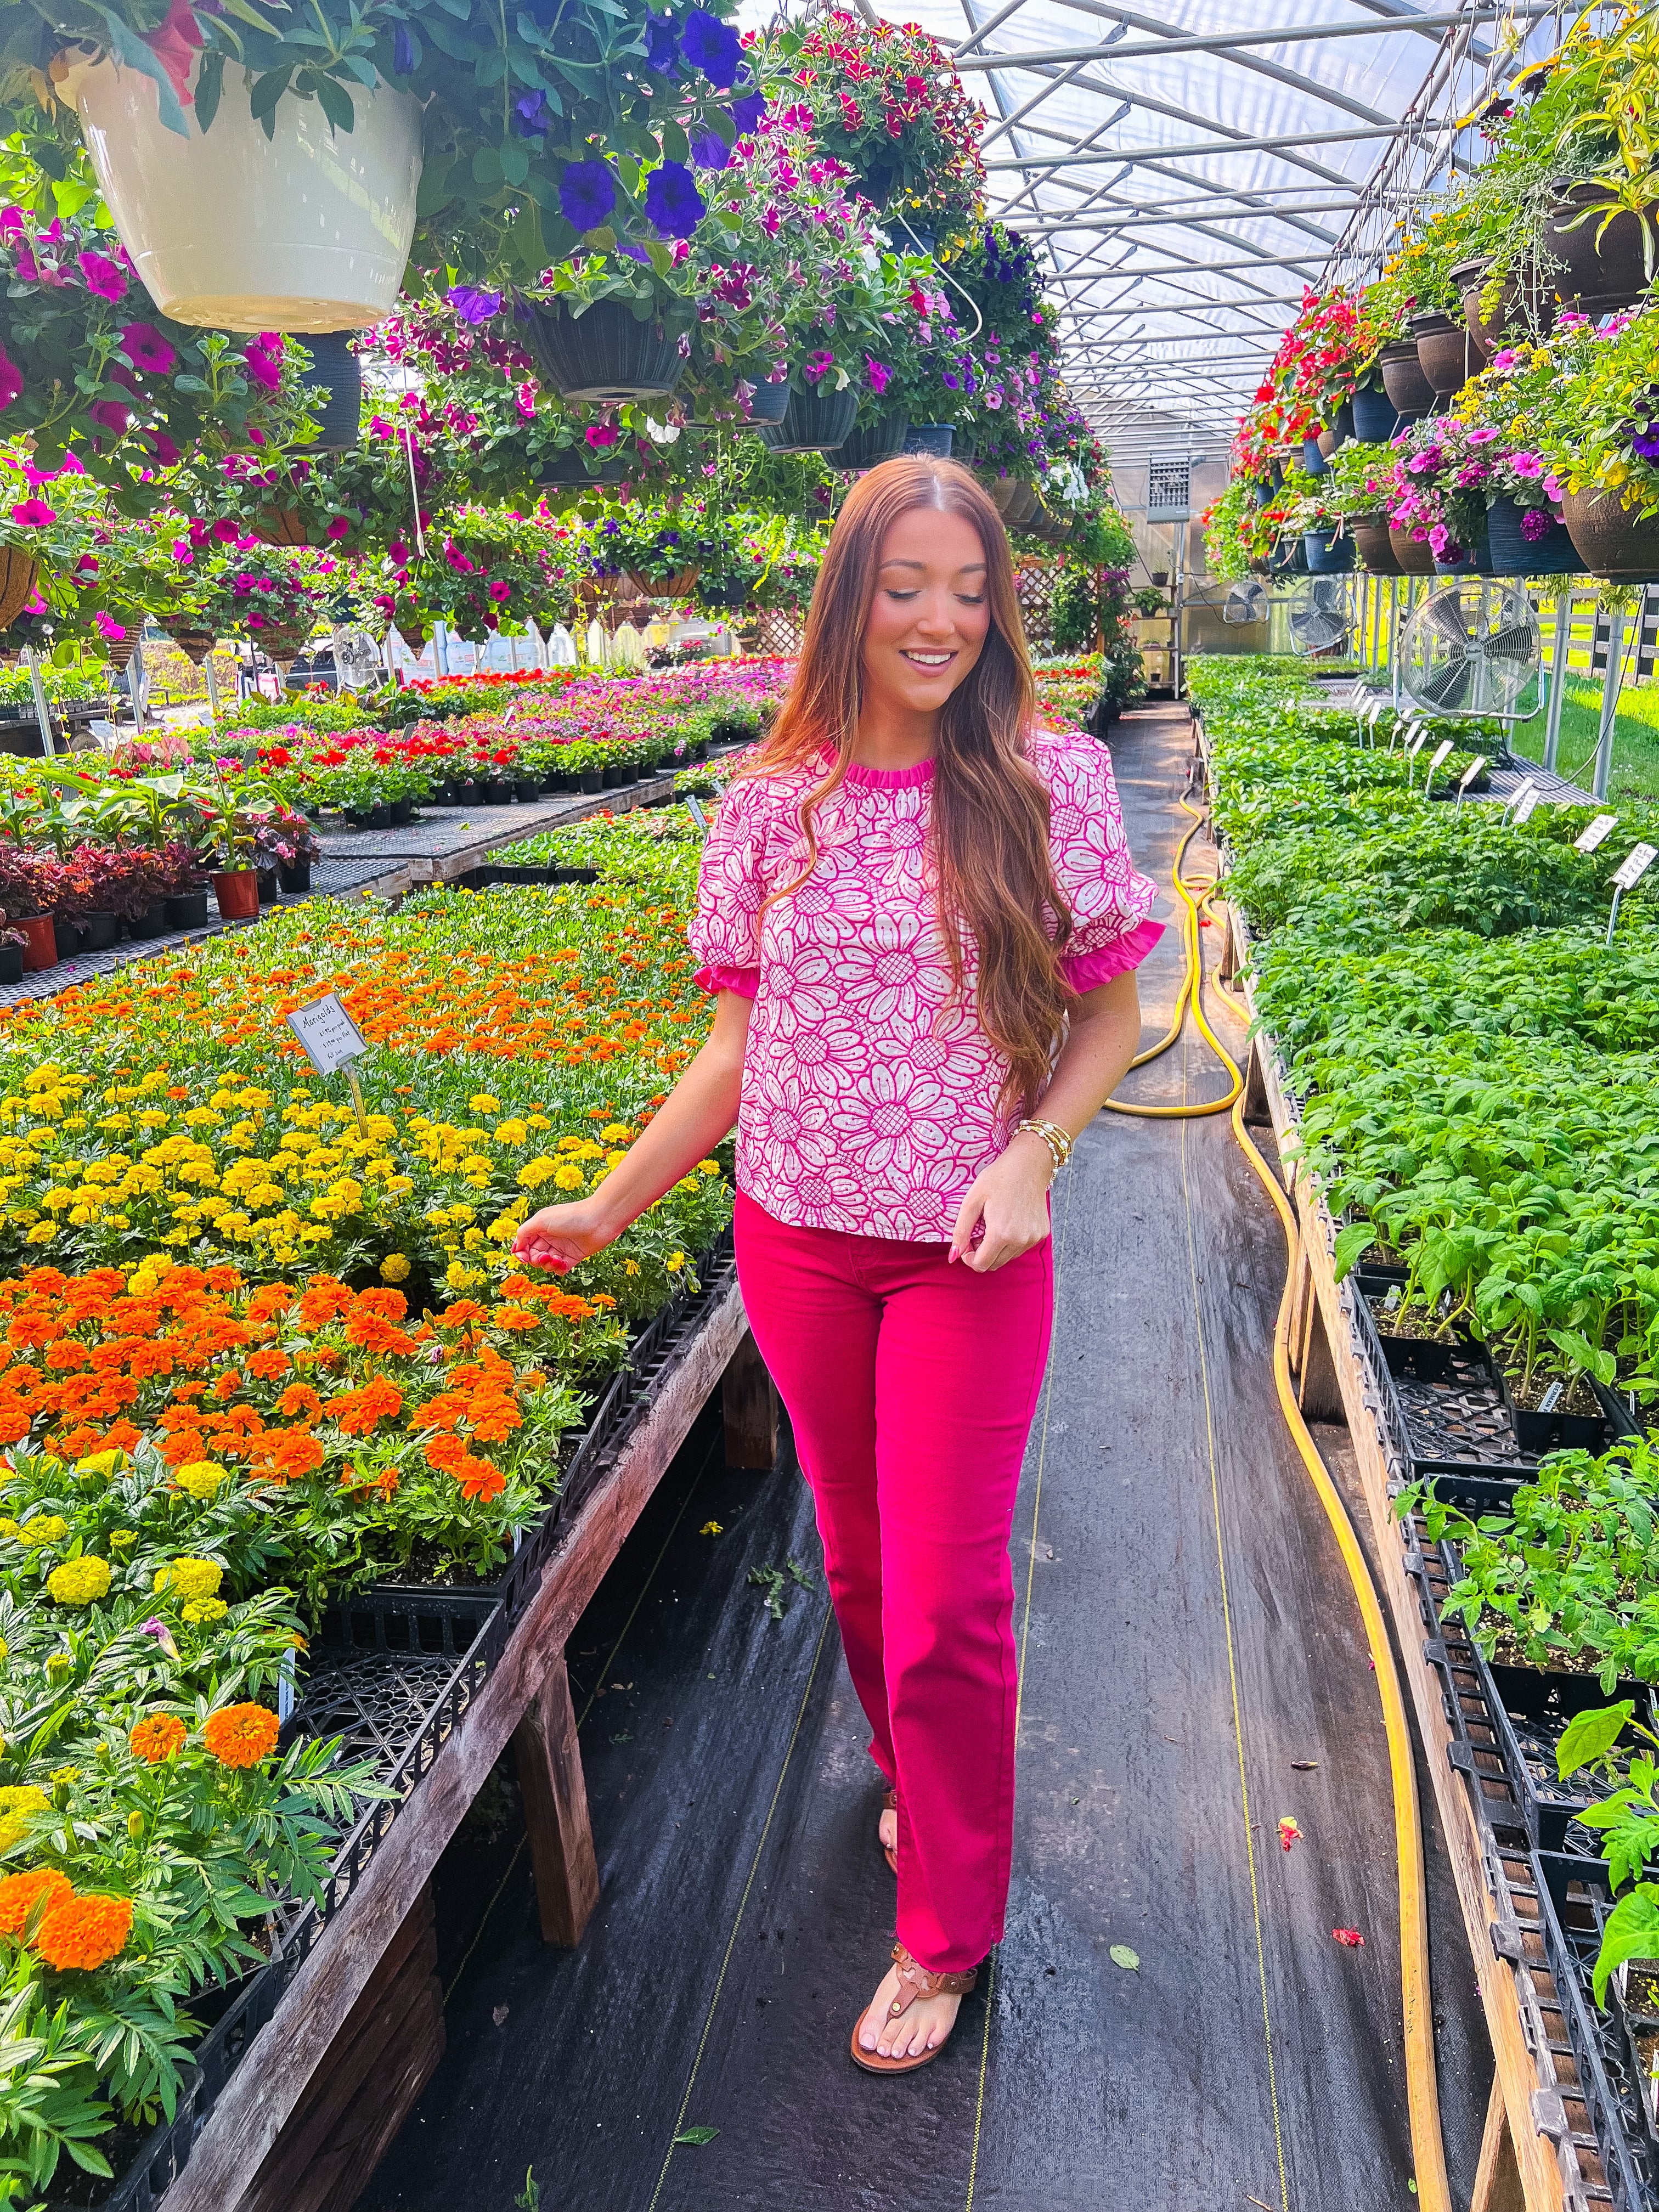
(1189, 169)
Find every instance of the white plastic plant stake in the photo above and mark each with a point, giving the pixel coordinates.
(1630, 873)
(307, 231)
(1468, 776)
(1525, 796)
(1527, 806)
(1442, 753)
(1590, 837)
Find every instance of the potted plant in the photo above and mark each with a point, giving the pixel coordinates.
(12, 944)
(283, 840)
(226, 834)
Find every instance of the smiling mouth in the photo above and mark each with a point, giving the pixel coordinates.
(930, 663)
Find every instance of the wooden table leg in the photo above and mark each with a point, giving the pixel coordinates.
(549, 1764)
(1497, 2179)
(749, 1399)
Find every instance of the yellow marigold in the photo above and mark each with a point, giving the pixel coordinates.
(203, 1609)
(156, 1737)
(187, 1577)
(80, 1582)
(100, 1463)
(482, 1103)
(81, 1933)
(9, 1528)
(201, 1477)
(568, 1178)
(21, 1893)
(395, 1267)
(16, 1806)
(43, 1529)
(674, 1262)
(616, 1133)
(708, 1167)
(241, 1736)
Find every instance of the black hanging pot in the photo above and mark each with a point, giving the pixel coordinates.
(1376, 417)
(813, 421)
(768, 403)
(1614, 540)
(724, 592)
(337, 374)
(1405, 381)
(604, 356)
(875, 441)
(877, 181)
(932, 440)
(1606, 269)
(1476, 559)
(568, 471)
(1552, 553)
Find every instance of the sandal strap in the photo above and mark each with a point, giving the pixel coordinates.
(915, 1981)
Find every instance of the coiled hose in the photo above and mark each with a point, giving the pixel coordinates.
(1422, 2098)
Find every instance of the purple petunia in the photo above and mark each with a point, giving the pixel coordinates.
(472, 304)
(587, 193)
(535, 116)
(660, 47)
(1646, 442)
(712, 46)
(710, 151)
(748, 108)
(105, 278)
(402, 51)
(671, 198)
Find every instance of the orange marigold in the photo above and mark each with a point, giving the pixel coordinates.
(156, 1737)
(84, 1932)
(294, 1454)
(268, 1366)
(299, 1402)
(478, 1478)
(21, 1893)
(241, 1736)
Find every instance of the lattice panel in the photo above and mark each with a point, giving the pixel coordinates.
(1035, 582)
(779, 631)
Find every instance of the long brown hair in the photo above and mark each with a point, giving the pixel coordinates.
(990, 814)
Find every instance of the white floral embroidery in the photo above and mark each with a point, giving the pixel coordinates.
(869, 1095)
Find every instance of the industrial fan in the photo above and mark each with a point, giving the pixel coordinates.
(358, 658)
(1473, 648)
(1321, 614)
(1247, 601)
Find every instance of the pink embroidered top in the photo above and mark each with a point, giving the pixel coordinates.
(869, 1095)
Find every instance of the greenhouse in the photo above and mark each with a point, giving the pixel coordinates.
(828, 1153)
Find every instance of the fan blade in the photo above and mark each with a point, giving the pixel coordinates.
(1516, 642)
(1445, 687)
(1445, 613)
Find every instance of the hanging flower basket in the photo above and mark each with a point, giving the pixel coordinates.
(1404, 382)
(679, 586)
(1446, 353)
(725, 592)
(1414, 555)
(813, 422)
(1022, 507)
(1376, 417)
(280, 525)
(119, 651)
(413, 634)
(768, 403)
(282, 645)
(335, 369)
(1606, 269)
(877, 441)
(18, 574)
(604, 356)
(1514, 553)
(1001, 491)
(1328, 555)
(1370, 533)
(303, 231)
(195, 644)
(568, 471)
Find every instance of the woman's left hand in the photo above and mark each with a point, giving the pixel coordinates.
(1011, 1197)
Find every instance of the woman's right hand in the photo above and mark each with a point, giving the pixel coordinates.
(559, 1236)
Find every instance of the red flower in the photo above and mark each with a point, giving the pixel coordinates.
(175, 44)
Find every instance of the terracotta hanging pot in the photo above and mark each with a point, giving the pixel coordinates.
(1371, 541)
(18, 573)
(1404, 380)
(1415, 556)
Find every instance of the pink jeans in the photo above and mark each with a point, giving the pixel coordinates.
(911, 1385)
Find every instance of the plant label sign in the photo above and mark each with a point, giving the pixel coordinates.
(328, 1033)
(1416, 744)
(697, 815)
(1522, 800)
(1634, 865)
(1593, 836)
(1442, 752)
(1471, 772)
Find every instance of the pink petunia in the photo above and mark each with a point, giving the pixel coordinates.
(11, 380)
(163, 448)
(1527, 464)
(108, 627)
(500, 590)
(338, 528)
(880, 375)
(11, 226)
(600, 435)
(146, 348)
(32, 513)
(105, 279)
(110, 414)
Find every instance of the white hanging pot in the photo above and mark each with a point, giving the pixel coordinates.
(307, 231)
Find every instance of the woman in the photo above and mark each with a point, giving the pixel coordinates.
(921, 923)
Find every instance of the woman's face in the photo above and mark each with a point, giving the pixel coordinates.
(930, 616)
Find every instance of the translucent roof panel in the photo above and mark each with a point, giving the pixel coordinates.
(1187, 170)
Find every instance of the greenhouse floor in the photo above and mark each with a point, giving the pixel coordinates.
(1194, 1671)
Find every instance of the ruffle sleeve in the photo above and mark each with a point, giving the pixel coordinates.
(724, 932)
(1109, 899)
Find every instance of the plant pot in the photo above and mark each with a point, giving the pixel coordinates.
(1603, 273)
(39, 947)
(527, 790)
(1476, 559)
(1515, 554)
(591, 779)
(11, 963)
(1376, 417)
(99, 932)
(1612, 540)
(1414, 555)
(302, 230)
(874, 443)
(1328, 555)
(768, 402)
(1404, 380)
(877, 181)
(469, 793)
(1328, 442)
(65, 937)
(296, 878)
(335, 377)
(237, 890)
(1022, 507)
(195, 644)
(187, 910)
(1313, 456)
(725, 590)
(497, 792)
(566, 472)
(1447, 353)
(1371, 542)
(678, 585)
(618, 775)
(602, 355)
(813, 422)
(1001, 490)
(1290, 559)
(18, 573)
(267, 885)
(149, 921)
(401, 811)
(932, 440)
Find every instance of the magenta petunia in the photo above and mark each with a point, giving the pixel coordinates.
(500, 590)
(11, 380)
(340, 527)
(146, 348)
(105, 278)
(600, 435)
(32, 513)
(109, 415)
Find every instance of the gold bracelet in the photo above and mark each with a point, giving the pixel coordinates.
(1058, 1141)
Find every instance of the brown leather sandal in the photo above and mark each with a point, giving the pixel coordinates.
(915, 1981)
(888, 1804)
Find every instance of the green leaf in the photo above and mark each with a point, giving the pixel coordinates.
(1631, 1932)
(1351, 1245)
(1121, 1955)
(675, 143)
(1590, 1737)
(209, 84)
(515, 160)
(131, 50)
(699, 2136)
(336, 103)
(267, 91)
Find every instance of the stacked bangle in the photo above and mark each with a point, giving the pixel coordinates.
(1058, 1141)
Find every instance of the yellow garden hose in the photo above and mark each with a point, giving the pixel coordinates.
(1422, 2092)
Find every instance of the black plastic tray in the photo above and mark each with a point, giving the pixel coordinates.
(1574, 1900)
